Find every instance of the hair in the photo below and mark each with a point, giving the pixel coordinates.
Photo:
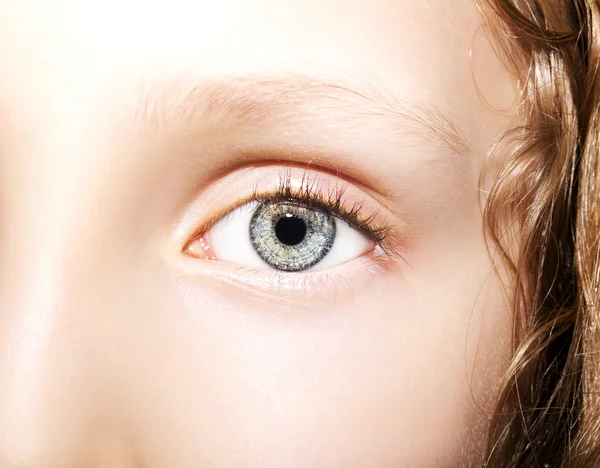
(543, 216)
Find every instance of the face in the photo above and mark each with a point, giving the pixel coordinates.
(246, 234)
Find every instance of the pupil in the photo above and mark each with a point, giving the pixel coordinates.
(290, 230)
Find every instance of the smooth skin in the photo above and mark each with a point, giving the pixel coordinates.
(125, 126)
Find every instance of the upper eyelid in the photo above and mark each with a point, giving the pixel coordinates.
(256, 196)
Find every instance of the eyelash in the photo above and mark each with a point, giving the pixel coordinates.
(332, 202)
(310, 191)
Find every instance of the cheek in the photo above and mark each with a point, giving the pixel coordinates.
(403, 376)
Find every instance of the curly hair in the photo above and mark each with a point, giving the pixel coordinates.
(545, 200)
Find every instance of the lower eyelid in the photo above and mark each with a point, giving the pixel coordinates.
(297, 290)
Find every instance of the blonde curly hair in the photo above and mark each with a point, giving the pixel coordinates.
(548, 193)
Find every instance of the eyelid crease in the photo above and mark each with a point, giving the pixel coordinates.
(289, 161)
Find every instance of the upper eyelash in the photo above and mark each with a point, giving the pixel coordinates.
(330, 201)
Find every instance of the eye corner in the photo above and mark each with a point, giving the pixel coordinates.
(198, 247)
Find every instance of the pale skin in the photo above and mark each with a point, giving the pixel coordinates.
(122, 346)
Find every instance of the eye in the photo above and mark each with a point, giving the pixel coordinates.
(285, 235)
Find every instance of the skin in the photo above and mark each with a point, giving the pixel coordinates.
(118, 348)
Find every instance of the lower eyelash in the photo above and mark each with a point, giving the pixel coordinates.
(303, 286)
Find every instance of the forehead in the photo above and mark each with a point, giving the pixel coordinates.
(418, 49)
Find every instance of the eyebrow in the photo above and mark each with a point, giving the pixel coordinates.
(245, 101)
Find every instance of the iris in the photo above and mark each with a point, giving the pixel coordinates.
(290, 236)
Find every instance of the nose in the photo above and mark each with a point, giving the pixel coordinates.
(41, 409)
(46, 355)
(56, 400)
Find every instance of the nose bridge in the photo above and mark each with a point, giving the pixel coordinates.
(48, 349)
(38, 376)
(45, 357)
(57, 381)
